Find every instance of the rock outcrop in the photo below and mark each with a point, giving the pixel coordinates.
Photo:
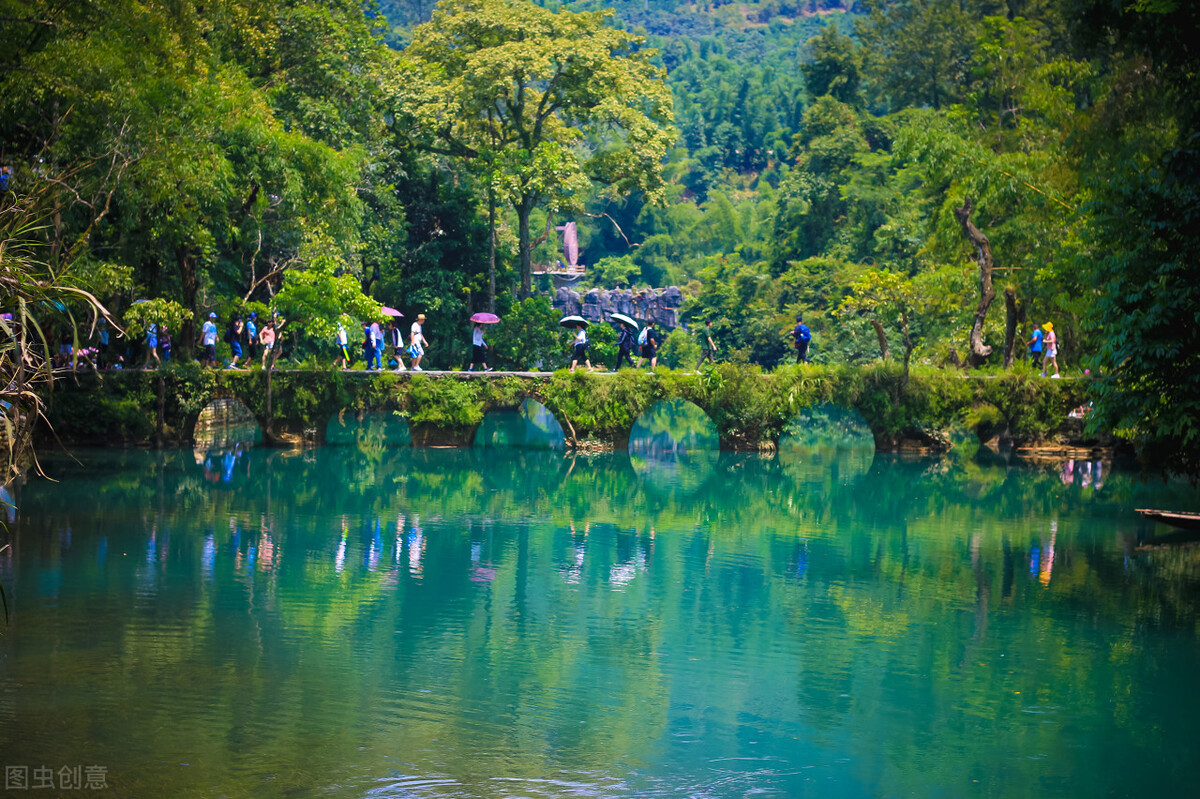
(598, 305)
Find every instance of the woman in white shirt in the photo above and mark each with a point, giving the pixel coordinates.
(478, 350)
(580, 350)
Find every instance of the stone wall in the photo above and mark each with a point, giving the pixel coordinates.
(598, 305)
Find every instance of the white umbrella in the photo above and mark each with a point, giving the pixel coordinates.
(571, 321)
(620, 317)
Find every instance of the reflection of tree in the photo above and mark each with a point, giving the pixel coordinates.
(371, 432)
(318, 599)
(827, 425)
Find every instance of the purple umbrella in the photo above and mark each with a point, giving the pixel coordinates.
(485, 318)
(390, 311)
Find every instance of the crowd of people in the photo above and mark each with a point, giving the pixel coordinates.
(387, 343)
(253, 340)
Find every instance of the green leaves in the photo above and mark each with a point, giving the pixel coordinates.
(547, 101)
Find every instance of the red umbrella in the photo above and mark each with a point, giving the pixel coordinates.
(390, 311)
(485, 318)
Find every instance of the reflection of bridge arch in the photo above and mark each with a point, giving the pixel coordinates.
(673, 426)
(674, 446)
(225, 421)
(827, 445)
(529, 426)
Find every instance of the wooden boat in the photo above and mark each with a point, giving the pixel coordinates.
(1184, 520)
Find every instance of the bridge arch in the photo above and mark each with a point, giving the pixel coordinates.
(531, 425)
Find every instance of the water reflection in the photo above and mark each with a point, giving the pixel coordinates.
(471, 624)
(224, 422)
(531, 426)
(1084, 473)
(369, 431)
(674, 446)
(827, 446)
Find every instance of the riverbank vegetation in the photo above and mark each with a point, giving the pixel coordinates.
(749, 407)
(926, 182)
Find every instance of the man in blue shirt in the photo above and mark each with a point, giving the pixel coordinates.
(1035, 348)
(800, 338)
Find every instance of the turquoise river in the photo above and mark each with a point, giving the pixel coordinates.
(371, 620)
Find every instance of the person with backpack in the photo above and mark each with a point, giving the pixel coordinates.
(369, 344)
(395, 344)
(648, 346)
(233, 337)
(800, 338)
(251, 336)
(625, 344)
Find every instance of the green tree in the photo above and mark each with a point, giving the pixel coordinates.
(835, 67)
(318, 292)
(886, 299)
(917, 51)
(551, 101)
(528, 336)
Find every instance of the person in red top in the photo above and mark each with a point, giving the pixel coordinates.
(266, 337)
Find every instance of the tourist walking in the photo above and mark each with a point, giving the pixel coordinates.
(164, 343)
(648, 346)
(102, 349)
(343, 343)
(626, 342)
(579, 350)
(367, 346)
(377, 340)
(417, 342)
(478, 349)
(395, 343)
(708, 350)
(1051, 342)
(1035, 348)
(233, 335)
(266, 337)
(152, 345)
(208, 340)
(801, 335)
(251, 336)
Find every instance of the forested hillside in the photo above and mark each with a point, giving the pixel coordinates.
(925, 180)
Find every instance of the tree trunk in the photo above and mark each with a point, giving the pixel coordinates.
(881, 334)
(491, 250)
(1014, 314)
(909, 346)
(979, 351)
(524, 209)
(191, 287)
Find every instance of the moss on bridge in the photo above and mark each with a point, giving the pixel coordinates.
(749, 407)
